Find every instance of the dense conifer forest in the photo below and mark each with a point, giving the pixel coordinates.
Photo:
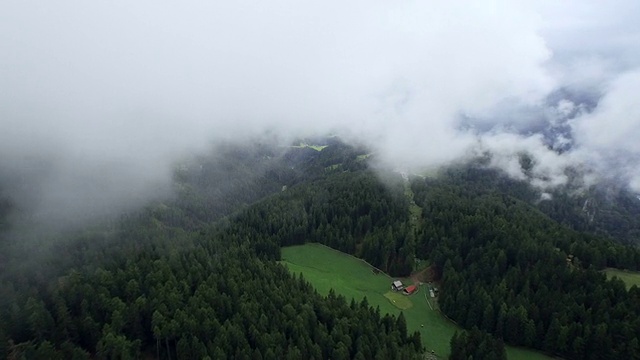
(196, 276)
(512, 271)
(476, 344)
(177, 280)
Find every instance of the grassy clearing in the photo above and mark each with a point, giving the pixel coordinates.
(630, 278)
(327, 269)
(314, 147)
(398, 300)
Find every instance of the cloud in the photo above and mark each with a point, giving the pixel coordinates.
(615, 123)
(608, 137)
(116, 90)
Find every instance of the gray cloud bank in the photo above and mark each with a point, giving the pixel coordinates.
(98, 98)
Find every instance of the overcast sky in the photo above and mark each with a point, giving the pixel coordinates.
(109, 93)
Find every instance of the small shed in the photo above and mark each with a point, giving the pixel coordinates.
(410, 289)
(397, 285)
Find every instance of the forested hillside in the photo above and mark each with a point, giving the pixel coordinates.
(168, 283)
(512, 271)
(605, 209)
(196, 275)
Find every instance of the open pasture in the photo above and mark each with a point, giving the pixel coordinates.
(326, 269)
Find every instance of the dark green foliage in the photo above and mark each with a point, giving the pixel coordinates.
(606, 209)
(513, 272)
(214, 297)
(170, 286)
(476, 345)
(196, 276)
(351, 212)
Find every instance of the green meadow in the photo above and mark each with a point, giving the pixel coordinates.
(327, 269)
(630, 278)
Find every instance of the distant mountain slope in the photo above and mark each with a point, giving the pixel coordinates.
(605, 209)
(514, 272)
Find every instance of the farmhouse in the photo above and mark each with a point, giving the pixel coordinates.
(410, 290)
(397, 285)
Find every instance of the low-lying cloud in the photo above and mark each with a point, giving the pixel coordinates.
(101, 97)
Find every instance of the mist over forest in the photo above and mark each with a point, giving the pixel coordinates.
(156, 157)
(100, 101)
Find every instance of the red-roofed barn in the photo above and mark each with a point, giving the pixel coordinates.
(410, 289)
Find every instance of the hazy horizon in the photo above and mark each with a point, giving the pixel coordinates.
(99, 99)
